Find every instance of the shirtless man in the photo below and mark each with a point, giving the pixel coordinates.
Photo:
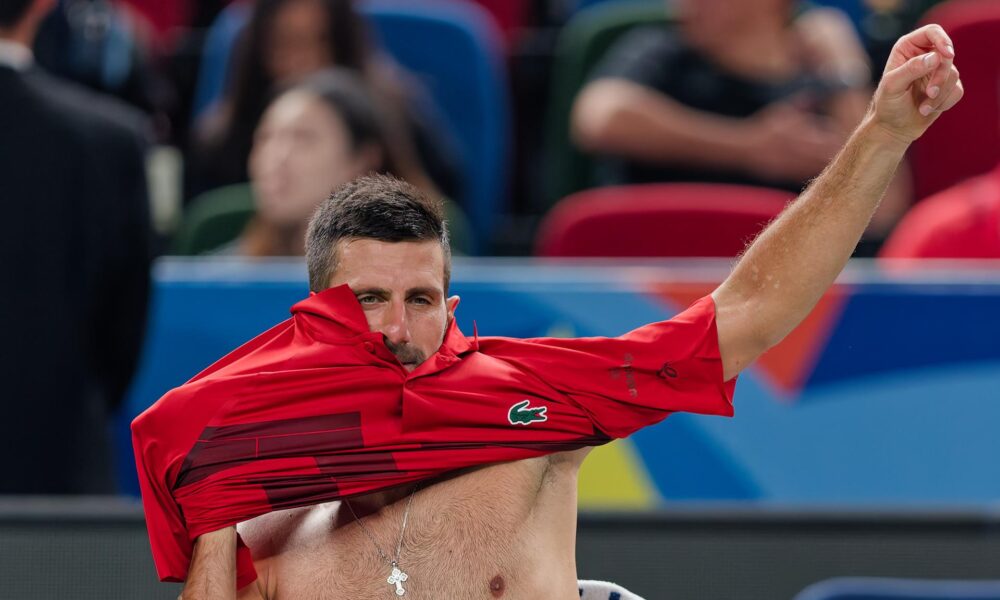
(508, 530)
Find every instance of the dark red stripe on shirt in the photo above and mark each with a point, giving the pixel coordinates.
(222, 448)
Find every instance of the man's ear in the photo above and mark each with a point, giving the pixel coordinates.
(452, 304)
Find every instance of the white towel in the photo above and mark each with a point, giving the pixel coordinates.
(603, 590)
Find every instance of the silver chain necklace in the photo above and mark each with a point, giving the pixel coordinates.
(397, 577)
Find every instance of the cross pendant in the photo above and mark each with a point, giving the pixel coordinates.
(397, 578)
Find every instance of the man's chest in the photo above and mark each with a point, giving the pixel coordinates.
(488, 531)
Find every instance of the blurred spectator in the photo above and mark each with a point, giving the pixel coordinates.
(74, 267)
(884, 21)
(960, 222)
(314, 137)
(285, 41)
(753, 92)
(92, 42)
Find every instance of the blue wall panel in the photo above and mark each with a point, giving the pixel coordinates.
(903, 405)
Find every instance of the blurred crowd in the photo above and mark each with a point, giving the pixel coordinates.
(139, 128)
(760, 92)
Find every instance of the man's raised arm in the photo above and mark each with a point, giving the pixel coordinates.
(788, 267)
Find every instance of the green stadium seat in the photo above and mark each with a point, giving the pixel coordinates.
(581, 44)
(459, 229)
(214, 218)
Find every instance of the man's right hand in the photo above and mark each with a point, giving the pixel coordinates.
(212, 575)
(919, 83)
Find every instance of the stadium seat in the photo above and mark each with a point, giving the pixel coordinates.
(669, 219)
(213, 219)
(511, 16)
(455, 49)
(216, 55)
(965, 141)
(875, 588)
(581, 44)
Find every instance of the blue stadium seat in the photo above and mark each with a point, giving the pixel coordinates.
(876, 588)
(217, 53)
(455, 49)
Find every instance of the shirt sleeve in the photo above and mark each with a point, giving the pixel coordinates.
(168, 536)
(160, 439)
(637, 379)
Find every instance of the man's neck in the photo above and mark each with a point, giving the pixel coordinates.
(759, 50)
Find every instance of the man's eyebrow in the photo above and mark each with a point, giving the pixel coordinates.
(426, 291)
(377, 291)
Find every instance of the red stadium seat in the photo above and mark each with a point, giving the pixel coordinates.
(510, 15)
(668, 219)
(965, 141)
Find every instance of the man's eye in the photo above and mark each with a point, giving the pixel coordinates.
(421, 300)
(367, 299)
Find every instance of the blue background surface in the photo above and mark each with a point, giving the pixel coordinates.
(902, 406)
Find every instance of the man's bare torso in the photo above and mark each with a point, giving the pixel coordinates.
(500, 531)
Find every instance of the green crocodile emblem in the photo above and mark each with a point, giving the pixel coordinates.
(520, 414)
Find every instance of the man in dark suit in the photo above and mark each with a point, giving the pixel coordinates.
(74, 267)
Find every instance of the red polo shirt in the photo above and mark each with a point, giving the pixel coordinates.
(317, 408)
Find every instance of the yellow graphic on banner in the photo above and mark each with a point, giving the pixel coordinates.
(614, 477)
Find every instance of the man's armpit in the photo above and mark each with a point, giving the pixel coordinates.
(259, 589)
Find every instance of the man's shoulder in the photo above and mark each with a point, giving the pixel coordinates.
(640, 52)
(649, 38)
(87, 107)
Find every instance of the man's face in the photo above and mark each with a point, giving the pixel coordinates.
(400, 286)
(712, 22)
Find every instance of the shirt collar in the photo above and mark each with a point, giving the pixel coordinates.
(16, 56)
(339, 305)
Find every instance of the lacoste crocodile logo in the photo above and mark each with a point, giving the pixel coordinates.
(520, 414)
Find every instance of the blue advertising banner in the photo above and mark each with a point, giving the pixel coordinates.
(888, 393)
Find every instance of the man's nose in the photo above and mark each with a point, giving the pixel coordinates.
(397, 329)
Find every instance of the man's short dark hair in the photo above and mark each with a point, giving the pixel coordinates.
(11, 11)
(377, 207)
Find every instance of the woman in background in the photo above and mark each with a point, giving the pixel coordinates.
(287, 40)
(314, 137)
